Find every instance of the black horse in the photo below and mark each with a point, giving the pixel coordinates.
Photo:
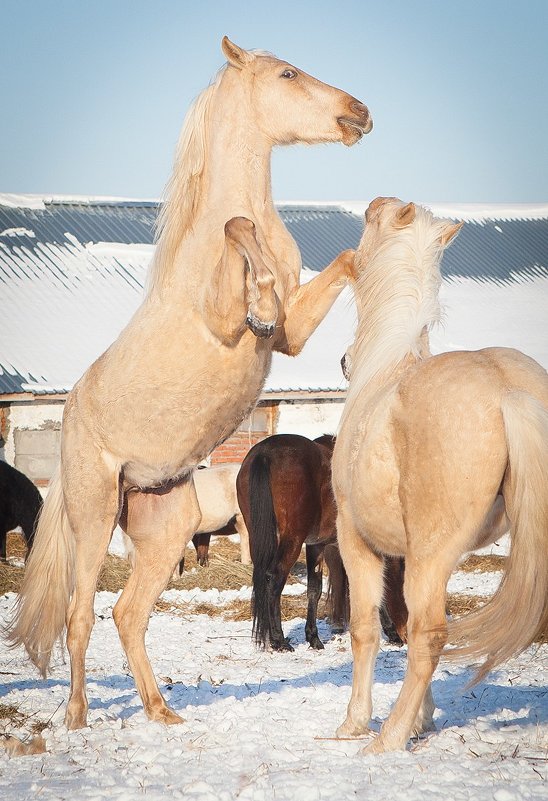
(20, 504)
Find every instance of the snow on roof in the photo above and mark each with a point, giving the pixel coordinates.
(72, 272)
(469, 212)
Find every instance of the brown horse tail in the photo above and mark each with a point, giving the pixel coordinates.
(40, 610)
(518, 611)
(263, 543)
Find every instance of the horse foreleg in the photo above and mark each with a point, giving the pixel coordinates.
(365, 577)
(242, 290)
(314, 563)
(160, 523)
(308, 304)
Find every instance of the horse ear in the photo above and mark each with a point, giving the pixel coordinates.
(405, 215)
(449, 232)
(235, 55)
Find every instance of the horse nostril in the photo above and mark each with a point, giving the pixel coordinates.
(360, 108)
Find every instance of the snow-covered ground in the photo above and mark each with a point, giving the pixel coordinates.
(260, 725)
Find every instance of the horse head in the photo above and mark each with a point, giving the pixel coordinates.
(291, 106)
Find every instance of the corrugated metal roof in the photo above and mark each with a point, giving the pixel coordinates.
(72, 272)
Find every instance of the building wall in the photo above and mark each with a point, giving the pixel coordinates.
(31, 437)
(310, 418)
(31, 431)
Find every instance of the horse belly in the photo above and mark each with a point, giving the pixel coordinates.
(159, 431)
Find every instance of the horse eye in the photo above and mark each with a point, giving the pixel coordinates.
(288, 74)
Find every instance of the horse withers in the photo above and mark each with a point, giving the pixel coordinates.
(435, 456)
(223, 293)
(20, 505)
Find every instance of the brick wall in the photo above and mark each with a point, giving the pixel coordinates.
(236, 447)
(260, 424)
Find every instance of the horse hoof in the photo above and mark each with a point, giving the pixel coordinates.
(285, 645)
(260, 329)
(75, 721)
(317, 644)
(167, 716)
(351, 731)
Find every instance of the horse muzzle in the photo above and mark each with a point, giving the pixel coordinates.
(356, 124)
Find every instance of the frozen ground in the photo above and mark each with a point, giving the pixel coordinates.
(260, 726)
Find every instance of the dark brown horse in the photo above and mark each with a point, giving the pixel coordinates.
(284, 493)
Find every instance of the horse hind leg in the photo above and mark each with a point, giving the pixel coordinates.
(314, 563)
(92, 518)
(160, 523)
(412, 714)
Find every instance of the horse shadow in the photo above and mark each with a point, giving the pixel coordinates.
(456, 703)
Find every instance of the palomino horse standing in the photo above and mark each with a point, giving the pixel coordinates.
(223, 294)
(434, 456)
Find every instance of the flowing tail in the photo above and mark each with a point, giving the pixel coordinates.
(263, 542)
(518, 611)
(40, 610)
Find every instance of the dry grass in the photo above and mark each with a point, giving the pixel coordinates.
(483, 564)
(225, 571)
(11, 716)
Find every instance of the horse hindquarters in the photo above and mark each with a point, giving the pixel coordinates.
(518, 610)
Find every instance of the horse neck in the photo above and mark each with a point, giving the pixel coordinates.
(394, 316)
(234, 181)
(237, 175)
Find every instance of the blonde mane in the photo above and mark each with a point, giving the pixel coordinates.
(183, 190)
(397, 295)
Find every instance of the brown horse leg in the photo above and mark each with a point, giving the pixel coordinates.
(337, 593)
(160, 523)
(314, 563)
(201, 543)
(394, 609)
(286, 556)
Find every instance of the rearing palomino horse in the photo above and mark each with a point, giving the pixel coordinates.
(223, 294)
(436, 455)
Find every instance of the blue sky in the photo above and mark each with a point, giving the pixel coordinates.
(95, 92)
